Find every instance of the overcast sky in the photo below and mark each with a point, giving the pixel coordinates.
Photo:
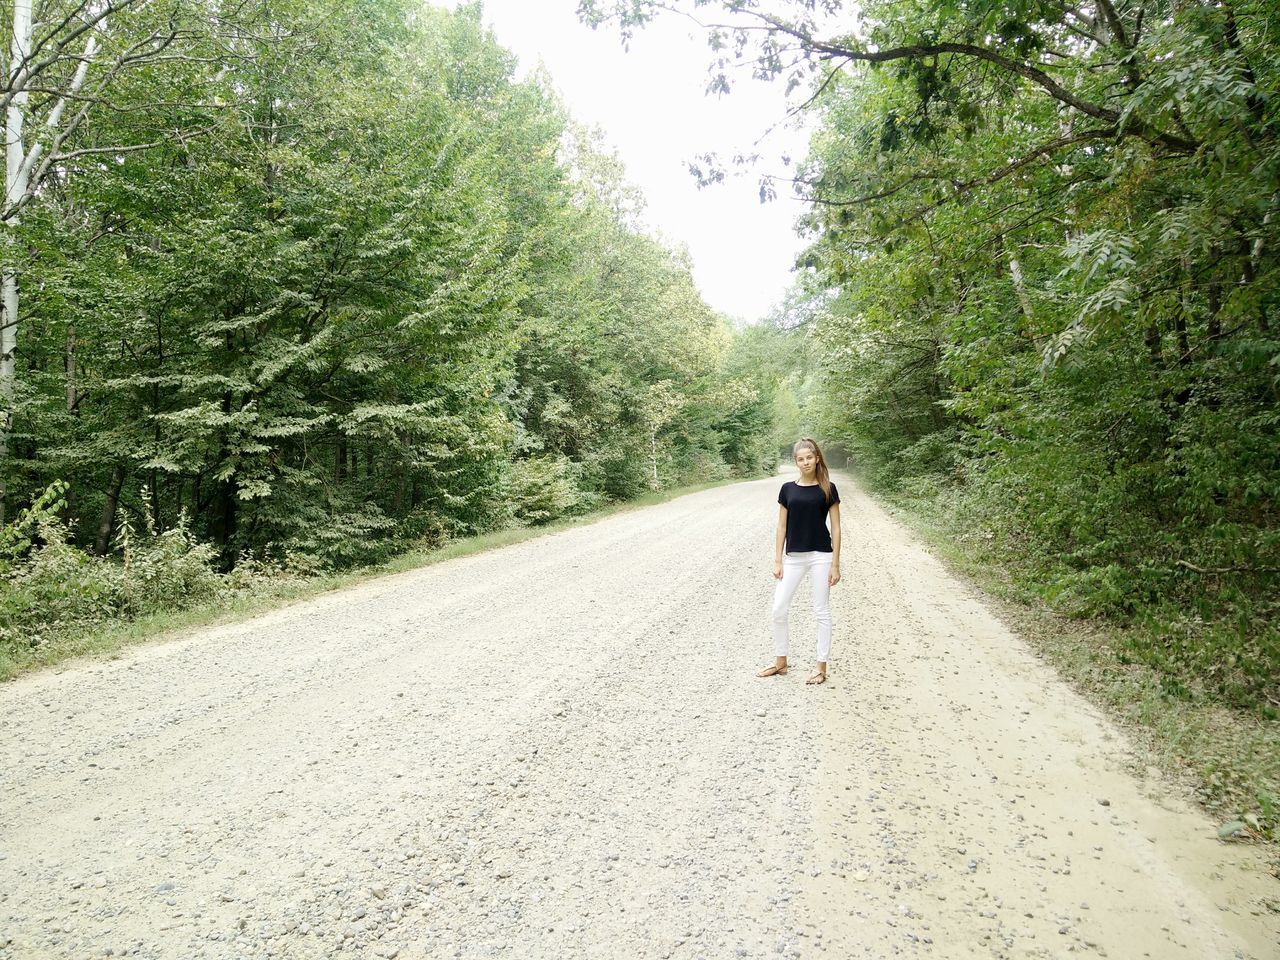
(650, 102)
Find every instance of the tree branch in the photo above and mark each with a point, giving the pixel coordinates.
(1196, 569)
(20, 75)
(963, 187)
(1030, 72)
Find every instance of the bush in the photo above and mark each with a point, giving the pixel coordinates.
(625, 475)
(52, 588)
(541, 489)
(697, 465)
(344, 534)
(55, 587)
(164, 571)
(16, 538)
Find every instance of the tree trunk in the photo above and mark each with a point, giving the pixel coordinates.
(106, 526)
(1015, 271)
(8, 360)
(8, 357)
(1180, 316)
(1152, 338)
(15, 186)
(1250, 274)
(397, 496)
(225, 518)
(153, 485)
(73, 388)
(1215, 305)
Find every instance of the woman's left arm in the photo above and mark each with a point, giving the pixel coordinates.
(834, 577)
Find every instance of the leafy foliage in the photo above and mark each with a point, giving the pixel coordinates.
(367, 291)
(52, 588)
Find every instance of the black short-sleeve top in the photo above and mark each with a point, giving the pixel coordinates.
(807, 509)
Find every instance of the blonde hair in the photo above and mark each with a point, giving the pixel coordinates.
(824, 477)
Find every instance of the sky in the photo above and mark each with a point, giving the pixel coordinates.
(649, 100)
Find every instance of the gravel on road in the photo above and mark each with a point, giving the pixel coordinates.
(560, 749)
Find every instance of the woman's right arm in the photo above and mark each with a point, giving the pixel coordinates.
(779, 538)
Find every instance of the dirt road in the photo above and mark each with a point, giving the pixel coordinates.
(559, 749)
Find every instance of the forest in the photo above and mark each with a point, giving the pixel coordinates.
(318, 283)
(291, 286)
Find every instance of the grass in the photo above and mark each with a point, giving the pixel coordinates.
(1227, 758)
(109, 639)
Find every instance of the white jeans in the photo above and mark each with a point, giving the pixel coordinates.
(794, 567)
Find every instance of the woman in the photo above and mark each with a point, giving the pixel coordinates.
(804, 505)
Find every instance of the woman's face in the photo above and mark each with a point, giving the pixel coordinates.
(807, 461)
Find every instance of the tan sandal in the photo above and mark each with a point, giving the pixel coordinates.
(773, 671)
(817, 678)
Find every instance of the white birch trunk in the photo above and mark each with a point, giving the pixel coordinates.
(73, 387)
(20, 162)
(1015, 271)
(15, 186)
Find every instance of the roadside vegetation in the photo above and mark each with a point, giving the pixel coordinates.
(161, 584)
(1226, 756)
